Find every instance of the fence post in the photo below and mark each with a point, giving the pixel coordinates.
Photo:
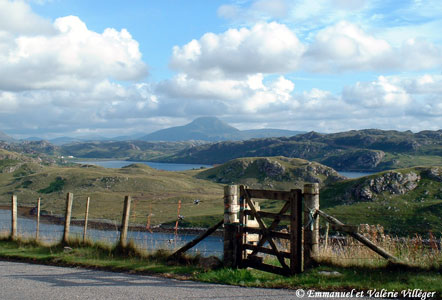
(231, 221)
(67, 218)
(37, 230)
(14, 217)
(125, 222)
(295, 231)
(86, 216)
(311, 225)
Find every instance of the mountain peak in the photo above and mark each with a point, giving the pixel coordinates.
(213, 124)
(211, 129)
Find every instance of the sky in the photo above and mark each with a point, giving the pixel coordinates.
(111, 68)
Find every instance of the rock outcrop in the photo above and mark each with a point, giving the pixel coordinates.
(271, 170)
(393, 182)
(434, 173)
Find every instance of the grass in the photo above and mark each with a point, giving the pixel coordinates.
(153, 192)
(101, 256)
(417, 211)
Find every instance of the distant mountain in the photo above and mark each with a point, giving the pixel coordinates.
(212, 129)
(6, 138)
(268, 133)
(32, 139)
(63, 140)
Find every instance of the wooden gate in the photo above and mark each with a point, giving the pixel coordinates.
(291, 211)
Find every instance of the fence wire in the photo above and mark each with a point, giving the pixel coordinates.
(145, 231)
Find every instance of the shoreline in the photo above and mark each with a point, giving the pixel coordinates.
(25, 212)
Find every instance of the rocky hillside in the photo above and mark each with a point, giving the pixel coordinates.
(356, 150)
(405, 201)
(271, 172)
(11, 162)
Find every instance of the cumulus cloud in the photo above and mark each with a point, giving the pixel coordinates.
(273, 48)
(379, 93)
(250, 94)
(265, 48)
(17, 17)
(71, 56)
(392, 97)
(346, 46)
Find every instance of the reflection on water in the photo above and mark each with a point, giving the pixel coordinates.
(156, 165)
(355, 174)
(52, 233)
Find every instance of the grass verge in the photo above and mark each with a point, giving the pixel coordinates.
(323, 277)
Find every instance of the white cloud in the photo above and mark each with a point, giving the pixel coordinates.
(346, 47)
(250, 94)
(265, 48)
(272, 8)
(377, 94)
(73, 57)
(272, 48)
(17, 17)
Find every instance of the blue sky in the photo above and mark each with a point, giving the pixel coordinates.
(81, 68)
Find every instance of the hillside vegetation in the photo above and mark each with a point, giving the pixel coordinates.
(154, 192)
(404, 201)
(356, 150)
(271, 173)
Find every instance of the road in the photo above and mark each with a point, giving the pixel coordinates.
(30, 281)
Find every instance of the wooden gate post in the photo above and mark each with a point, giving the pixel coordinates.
(86, 216)
(14, 217)
(125, 222)
(37, 230)
(296, 231)
(311, 225)
(67, 218)
(231, 222)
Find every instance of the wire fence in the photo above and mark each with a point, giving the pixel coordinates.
(159, 224)
(144, 230)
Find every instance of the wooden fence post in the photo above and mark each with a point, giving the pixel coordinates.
(231, 221)
(86, 216)
(67, 218)
(311, 225)
(37, 230)
(295, 231)
(14, 217)
(125, 222)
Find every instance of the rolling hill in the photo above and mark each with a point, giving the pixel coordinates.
(403, 201)
(356, 150)
(279, 173)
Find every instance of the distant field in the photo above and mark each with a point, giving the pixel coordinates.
(154, 192)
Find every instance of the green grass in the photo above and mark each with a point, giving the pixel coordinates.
(399, 161)
(415, 212)
(357, 278)
(153, 192)
(99, 256)
(55, 186)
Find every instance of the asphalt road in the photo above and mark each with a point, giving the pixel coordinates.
(30, 281)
